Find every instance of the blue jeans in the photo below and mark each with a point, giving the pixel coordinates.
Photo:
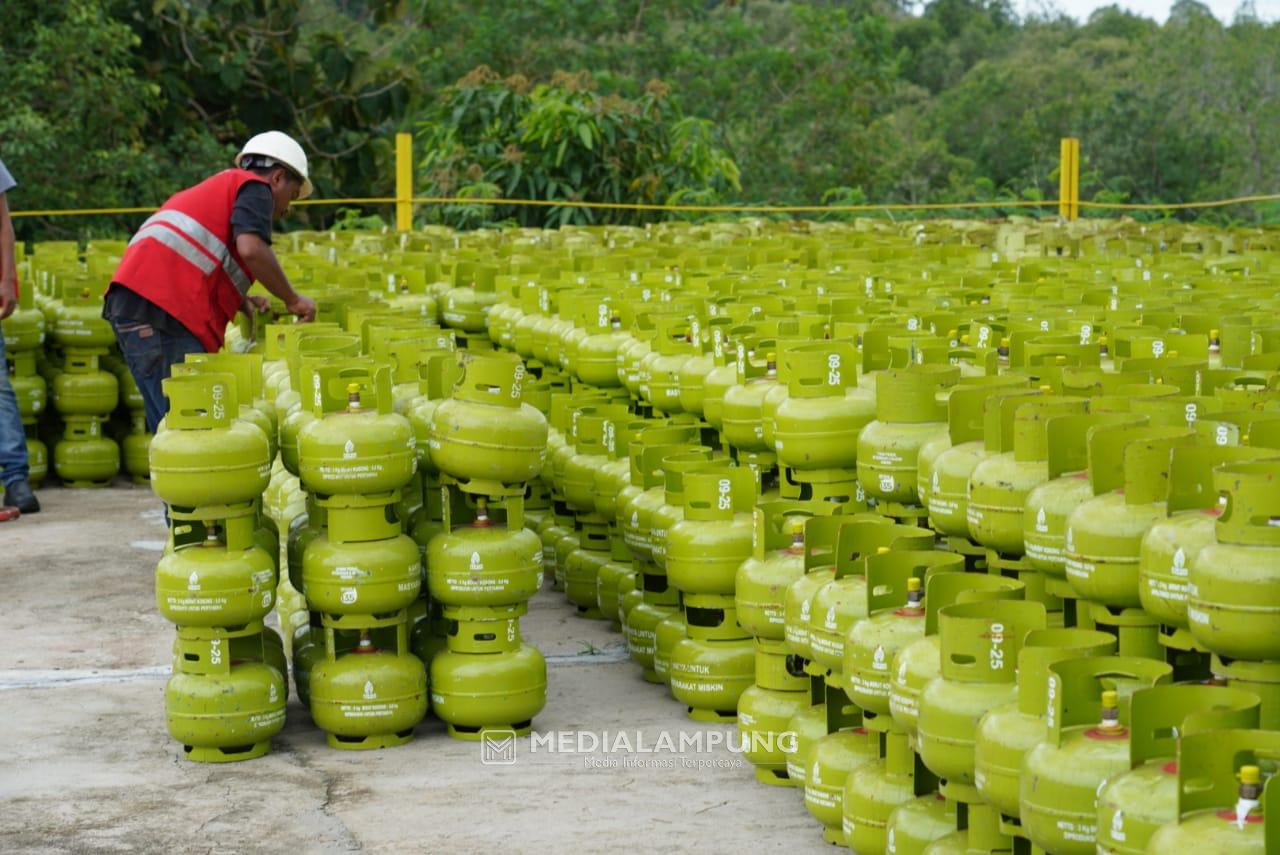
(149, 354)
(13, 441)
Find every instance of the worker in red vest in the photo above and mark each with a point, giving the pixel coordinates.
(187, 270)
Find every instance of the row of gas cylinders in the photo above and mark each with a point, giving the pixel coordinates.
(75, 394)
(823, 626)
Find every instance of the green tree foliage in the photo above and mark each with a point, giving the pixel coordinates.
(115, 102)
(565, 141)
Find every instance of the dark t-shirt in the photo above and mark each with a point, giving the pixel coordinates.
(252, 214)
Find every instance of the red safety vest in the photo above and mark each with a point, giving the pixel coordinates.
(183, 259)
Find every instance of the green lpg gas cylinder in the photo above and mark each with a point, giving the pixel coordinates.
(743, 402)
(613, 476)
(81, 389)
(484, 563)
(583, 565)
(1260, 678)
(202, 454)
(1087, 742)
(809, 725)
(303, 529)
(437, 377)
(666, 515)
(919, 661)
(215, 576)
(1007, 733)
(841, 602)
(876, 789)
(915, 825)
(1233, 599)
(705, 549)
(484, 432)
(709, 351)
(37, 461)
(999, 484)
(834, 759)
(356, 444)
(591, 455)
(1168, 547)
(896, 617)
(709, 676)
(977, 430)
(467, 304)
(613, 581)
(979, 649)
(777, 560)
(717, 383)
(369, 697)
(910, 410)
(83, 457)
(596, 361)
(823, 408)
(670, 631)
(819, 568)
(32, 393)
(362, 564)
(1128, 473)
(765, 710)
(226, 716)
(78, 322)
(503, 691)
(1044, 515)
(135, 450)
(660, 368)
(1224, 803)
(1134, 804)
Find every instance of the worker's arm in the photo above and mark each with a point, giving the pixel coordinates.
(265, 267)
(8, 262)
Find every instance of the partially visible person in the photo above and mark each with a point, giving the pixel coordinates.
(188, 269)
(13, 441)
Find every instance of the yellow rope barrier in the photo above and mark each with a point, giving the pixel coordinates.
(708, 209)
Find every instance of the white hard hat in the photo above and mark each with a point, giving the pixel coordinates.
(283, 149)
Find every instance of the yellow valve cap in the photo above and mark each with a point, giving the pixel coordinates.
(795, 525)
(964, 339)
(1044, 388)
(771, 357)
(1250, 775)
(1060, 360)
(1004, 342)
(881, 550)
(913, 583)
(1109, 700)
(1214, 333)
(353, 388)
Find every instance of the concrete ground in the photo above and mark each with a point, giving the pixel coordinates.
(87, 765)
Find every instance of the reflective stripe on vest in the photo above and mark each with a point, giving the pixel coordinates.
(182, 234)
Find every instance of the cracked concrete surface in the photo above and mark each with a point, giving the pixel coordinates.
(89, 767)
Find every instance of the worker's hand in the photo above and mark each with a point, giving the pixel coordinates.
(303, 307)
(8, 298)
(255, 304)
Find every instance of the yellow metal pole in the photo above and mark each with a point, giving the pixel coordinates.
(404, 182)
(1064, 178)
(1075, 179)
(1069, 178)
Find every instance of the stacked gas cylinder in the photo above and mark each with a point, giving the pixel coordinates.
(74, 391)
(487, 444)
(24, 337)
(962, 550)
(217, 579)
